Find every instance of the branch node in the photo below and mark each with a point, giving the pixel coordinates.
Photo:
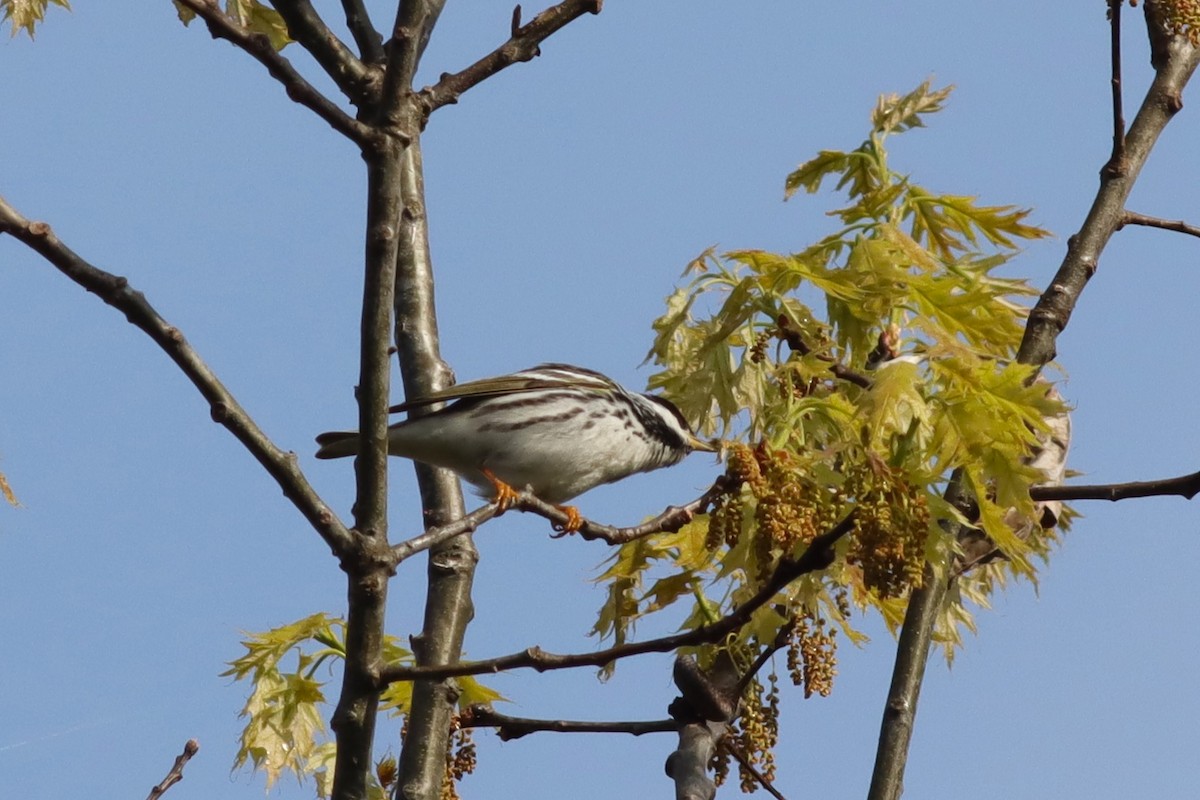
(41, 229)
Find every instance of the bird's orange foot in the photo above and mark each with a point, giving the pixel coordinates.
(506, 496)
(574, 520)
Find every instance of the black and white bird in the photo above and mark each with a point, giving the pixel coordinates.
(557, 429)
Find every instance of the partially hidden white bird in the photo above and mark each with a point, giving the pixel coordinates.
(555, 428)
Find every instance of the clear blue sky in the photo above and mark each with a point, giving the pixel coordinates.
(565, 197)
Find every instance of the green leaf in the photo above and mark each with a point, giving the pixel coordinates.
(26, 14)
(895, 113)
(810, 175)
(258, 18)
(186, 14)
(894, 404)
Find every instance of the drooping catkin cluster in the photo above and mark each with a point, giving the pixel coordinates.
(812, 653)
(789, 508)
(891, 525)
(460, 759)
(753, 735)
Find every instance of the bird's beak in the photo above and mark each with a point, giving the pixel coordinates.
(701, 445)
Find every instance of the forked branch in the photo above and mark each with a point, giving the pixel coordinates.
(309, 30)
(223, 26)
(524, 44)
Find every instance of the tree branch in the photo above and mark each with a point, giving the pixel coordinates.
(670, 520)
(368, 567)
(818, 556)
(1186, 486)
(748, 765)
(796, 342)
(451, 568)
(912, 655)
(1178, 225)
(507, 728)
(225, 410)
(176, 774)
(1116, 163)
(222, 26)
(522, 45)
(306, 27)
(1174, 61)
(687, 766)
(370, 43)
(410, 34)
(433, 537)
(1163, 100)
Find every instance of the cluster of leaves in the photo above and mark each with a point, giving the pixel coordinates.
(858, 373)
(284, 714)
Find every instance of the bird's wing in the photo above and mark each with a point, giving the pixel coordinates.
(543, 376)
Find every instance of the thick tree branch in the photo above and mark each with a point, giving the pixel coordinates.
(1177, 225)
(1174, 61)
(176, 774)
(225, 410)
(222, 26)
(369, 566)
(1163, 100)
(370, 43)
(410, 34)
(687, 766)
(522, 45)
(1187, 486)
(912, 655)
(507, 727)
(451, 570)
(818, 556)
(307, 28)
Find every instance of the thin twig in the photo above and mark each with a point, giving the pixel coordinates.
(370, 43)
(1116, 164)
(734, 751)
(670, 520)
(306, 27)
(782, 637)
(522, 45)
(225, 410)
(818, 556)
(507, 728)
(1186, 486)
(1177, 225)
(176, 774)
(796, 342)
(223, 26)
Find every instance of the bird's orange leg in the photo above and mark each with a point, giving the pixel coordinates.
(574, 520)
(506, 495)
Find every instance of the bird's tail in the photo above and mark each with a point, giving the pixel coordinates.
(337, 444)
